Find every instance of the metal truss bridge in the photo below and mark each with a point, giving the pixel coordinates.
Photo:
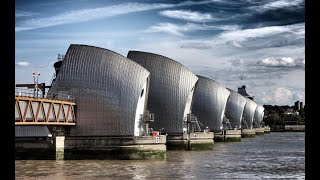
(33, 108)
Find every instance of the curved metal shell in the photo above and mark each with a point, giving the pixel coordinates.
(248, 113)
(107, 87)
(171, 90)
(258, 116)
(234, 108)
(209, 103)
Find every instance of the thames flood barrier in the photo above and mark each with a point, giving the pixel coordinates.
(193, 141)
(259, 131)
(40, 146)
(77, 148)
(59, 146)
(112, 118)
(219, 136)
(37, 142)
(34, 149)
(248, 133)
(133, 107)
(230, 135)
(143, 147)
(266, 129)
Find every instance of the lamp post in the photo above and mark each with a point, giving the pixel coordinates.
(35, 80)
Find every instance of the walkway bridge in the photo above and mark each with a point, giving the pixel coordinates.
(33, 108)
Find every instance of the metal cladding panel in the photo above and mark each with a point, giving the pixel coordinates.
(31, 131)
(248, 112)
(234, 108)
(258, 116)
(170, 85)
(106, 87)
(209, 103)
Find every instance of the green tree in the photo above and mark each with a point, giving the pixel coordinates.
(302, 113)
(272, 118)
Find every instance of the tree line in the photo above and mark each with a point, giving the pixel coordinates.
(283, 115)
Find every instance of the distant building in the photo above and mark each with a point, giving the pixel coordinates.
(297, 105)
(243, 92)
(301, 105)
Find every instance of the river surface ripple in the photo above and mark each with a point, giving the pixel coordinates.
(278, 155)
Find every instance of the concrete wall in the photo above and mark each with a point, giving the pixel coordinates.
(294, 127)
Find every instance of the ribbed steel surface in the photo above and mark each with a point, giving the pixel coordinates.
(170, 85)
(258, 116)
(209, 103)
(234, 108)
(31, 131)
(106, 87)
(248, 112)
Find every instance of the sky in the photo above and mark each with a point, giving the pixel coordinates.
(257, 43)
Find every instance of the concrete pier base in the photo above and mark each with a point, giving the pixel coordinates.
(231, 135)
(34, 149)
(193, 141)
(266, 129)
(59, 144)
(60, 147)
(134, 147)
(259, 131)
(294, 128)
(248, 133)
(219, 136)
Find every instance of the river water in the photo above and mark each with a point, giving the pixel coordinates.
(279, 155)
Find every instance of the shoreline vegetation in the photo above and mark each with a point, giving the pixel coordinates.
(284, 118)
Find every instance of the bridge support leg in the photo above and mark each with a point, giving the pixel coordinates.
(59, 143)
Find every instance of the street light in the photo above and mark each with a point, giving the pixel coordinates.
(35, 82)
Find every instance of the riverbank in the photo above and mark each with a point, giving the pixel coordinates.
(287, 128)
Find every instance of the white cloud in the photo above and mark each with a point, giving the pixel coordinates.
(282, 96)
(237, 62)
(282, 93)
(196, 46)
(175, 29)
(282, 62)
(281, 4)
(259, 40)
(242, 35)
(187, 15)
(224, 27)
(277, 4)
(23, 64)
(97, 13)
(19, 13)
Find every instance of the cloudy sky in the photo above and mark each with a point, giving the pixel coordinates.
(259, 43)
